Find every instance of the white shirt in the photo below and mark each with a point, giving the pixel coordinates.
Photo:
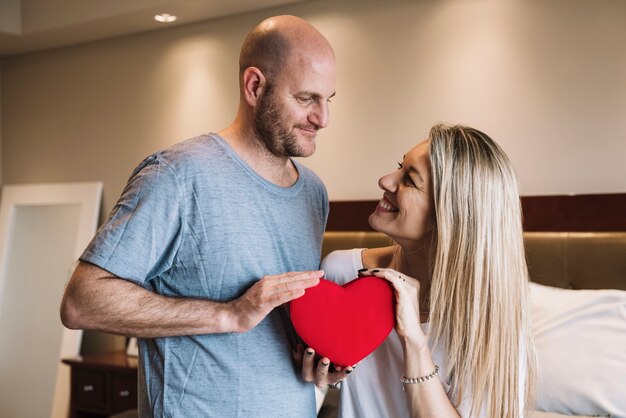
(373, 389)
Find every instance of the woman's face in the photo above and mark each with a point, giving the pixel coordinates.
(405, 212)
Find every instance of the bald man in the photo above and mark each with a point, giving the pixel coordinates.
(213, 233)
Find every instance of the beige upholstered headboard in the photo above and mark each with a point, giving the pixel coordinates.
(577, 260)
(574, 260)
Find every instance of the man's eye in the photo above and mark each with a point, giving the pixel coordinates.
(305, 100)
(399, 165)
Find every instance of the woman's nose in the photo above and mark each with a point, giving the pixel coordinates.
(388, 183)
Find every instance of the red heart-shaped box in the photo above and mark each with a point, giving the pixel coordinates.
(345, 323)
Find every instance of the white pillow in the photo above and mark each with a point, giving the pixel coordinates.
(539, 414)
(580, 337)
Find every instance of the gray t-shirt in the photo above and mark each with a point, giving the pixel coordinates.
(196, 221)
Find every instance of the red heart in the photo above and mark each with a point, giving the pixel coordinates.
(345, 323)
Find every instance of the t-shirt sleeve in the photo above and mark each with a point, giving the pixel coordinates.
(141, 235)
(341, 266)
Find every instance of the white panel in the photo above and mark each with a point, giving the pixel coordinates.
(43, 230)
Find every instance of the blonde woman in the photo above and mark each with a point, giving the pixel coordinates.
(462, 344)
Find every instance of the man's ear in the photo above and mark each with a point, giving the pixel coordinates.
(253, 85)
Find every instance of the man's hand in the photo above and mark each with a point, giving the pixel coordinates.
(320, 374)
(266, 294)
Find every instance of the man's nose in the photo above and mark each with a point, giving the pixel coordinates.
(320, 115)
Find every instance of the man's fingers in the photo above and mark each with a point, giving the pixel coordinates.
(293, 285)
(299, 281)
(294, 276)
(282, 298)
(290, 275)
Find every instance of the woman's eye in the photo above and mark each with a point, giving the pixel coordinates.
(408, 181)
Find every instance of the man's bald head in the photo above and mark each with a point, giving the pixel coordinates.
(273, 42)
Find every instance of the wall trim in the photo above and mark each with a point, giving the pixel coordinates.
(580, 213)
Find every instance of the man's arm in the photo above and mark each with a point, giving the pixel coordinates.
(96, 299)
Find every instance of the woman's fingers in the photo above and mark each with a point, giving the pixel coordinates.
(321, 375)
(308, 365)
(297, 354)
(319, 371)
(397, 279)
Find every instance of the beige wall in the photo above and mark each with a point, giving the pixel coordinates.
(545, 78)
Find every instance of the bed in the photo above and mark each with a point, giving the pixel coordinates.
(576, 254)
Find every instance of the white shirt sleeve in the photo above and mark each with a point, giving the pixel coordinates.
(341, 266)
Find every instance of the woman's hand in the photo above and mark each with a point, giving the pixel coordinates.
(428, 399)
(407, 289)
(317, 370)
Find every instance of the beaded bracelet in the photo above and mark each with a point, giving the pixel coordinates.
(411, 380)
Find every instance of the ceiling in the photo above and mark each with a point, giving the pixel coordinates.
(32, 25)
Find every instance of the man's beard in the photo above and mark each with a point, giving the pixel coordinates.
(271, 128)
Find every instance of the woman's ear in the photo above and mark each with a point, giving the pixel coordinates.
(253, 84)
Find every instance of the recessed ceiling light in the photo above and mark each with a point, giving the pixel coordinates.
(165, 18)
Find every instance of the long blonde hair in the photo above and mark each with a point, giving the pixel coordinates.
(479, 307)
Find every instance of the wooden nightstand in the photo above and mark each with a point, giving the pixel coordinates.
(102, 384)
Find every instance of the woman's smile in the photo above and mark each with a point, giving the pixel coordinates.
(386, 206)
